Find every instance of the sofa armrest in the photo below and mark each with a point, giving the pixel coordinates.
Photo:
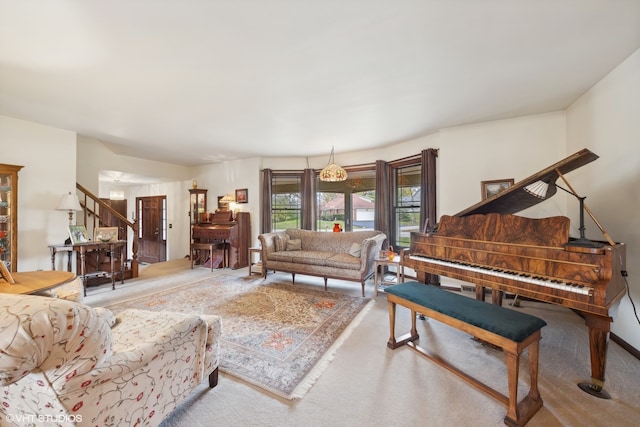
(140, 337)
(370, 249)
(268, 244)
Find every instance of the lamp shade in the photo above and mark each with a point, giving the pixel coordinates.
(69, 202)
(538, 189)
(227, 198)
(333, 172)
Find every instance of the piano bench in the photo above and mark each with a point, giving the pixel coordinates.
(210, 248)
(510, 330)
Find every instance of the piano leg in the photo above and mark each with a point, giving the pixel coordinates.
(496, 295)
(599, 327)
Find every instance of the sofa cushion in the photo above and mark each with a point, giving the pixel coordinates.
(344, 261)
(294, 245)
(302, 257)
(355, 250)
(280, 241)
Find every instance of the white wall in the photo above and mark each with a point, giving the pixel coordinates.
(515, 148)
(226, 178)
(179, 226)
(606, 120)
(94, 156)
(504, 149)
(49, 159)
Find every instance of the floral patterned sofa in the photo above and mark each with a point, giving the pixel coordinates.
(63, 363)
(346, 256)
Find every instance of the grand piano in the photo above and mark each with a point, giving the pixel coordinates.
(234, 235)
(490, 247)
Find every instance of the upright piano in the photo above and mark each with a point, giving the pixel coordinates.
(223, 229)
(490, 247)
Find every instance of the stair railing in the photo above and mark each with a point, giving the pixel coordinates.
(93, 212)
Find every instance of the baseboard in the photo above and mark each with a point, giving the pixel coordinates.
(625, 345)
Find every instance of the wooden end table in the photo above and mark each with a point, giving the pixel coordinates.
(255, 267)
(386, 262)
(34, 281)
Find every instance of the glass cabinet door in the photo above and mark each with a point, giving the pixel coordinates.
(198, 205)
(9, 215)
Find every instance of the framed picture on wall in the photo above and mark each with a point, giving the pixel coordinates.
(491, 188)
(242, 196)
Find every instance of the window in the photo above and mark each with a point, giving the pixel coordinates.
(350, 203)
(164, 218)
(407, 203)
(286, 201)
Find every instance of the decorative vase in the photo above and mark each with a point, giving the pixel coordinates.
(390, 253)
(336, 228)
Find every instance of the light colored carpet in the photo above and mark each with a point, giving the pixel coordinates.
(275, 336)
(368, 384)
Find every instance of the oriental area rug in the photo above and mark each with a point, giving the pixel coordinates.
(277, 336)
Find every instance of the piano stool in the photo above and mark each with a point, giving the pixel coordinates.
(210, 247)
(510, 330)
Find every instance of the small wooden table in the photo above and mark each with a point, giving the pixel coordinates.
(34, 281)
(255, 267)
(385, 262)
(116, 248)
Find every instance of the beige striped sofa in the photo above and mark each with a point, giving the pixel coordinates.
(344, 255)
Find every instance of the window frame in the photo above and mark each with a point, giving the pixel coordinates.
(412, 208)
(278, 210)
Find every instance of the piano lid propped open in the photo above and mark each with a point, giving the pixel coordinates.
(515, 198)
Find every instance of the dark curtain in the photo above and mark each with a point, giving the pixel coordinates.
(265, 224)
(308, 199)
(383, 204)
(428, 188)
(428, 200)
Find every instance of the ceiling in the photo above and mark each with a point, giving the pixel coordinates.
(195, 82)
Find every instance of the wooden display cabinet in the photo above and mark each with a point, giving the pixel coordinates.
(9, 215)
(197, 205)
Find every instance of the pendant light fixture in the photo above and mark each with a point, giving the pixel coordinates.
(333, 172)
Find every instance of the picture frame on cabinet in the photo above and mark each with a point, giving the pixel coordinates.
(78, 234)
(105, 234)
(491, 188)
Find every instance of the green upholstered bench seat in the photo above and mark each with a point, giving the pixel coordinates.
(508, 329)
(513, 325)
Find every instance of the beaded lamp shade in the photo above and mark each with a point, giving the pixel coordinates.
(333, 172)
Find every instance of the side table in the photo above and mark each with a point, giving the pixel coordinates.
(34, 281)
(255, 267)
(386, 262)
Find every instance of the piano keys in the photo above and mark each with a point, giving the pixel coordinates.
(488, 246)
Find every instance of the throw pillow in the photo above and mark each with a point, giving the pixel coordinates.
(280, 241)
(355, 250)
(294, 245)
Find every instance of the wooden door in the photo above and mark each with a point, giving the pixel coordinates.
(151, 214)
